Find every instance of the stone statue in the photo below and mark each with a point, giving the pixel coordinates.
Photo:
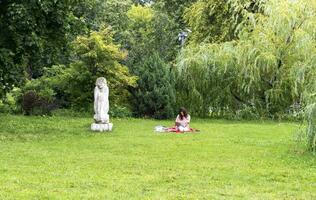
(101, 106)
(101, 101)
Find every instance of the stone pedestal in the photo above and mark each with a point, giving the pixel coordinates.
(101, 127)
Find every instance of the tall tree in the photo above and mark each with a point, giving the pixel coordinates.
(218, 21)
(154, 95)
(266, 71)
(175, 9)
(150, 32)
(35, 34)
(152, 43)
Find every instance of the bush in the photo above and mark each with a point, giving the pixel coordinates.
(155, 94)
(33, 104)
(97, 56)
(11, 104)
(120, 112)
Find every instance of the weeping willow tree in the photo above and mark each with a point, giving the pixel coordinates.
(218, 20)
(310, 112)
(311, 127)
(264, 72)
(205, 77)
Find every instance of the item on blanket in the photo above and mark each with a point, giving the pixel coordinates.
(160, 128)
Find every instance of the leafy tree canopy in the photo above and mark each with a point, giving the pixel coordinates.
(219, 21)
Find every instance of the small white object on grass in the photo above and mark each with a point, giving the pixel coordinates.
(160, 128)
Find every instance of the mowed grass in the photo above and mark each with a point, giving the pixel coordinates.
(59, 158)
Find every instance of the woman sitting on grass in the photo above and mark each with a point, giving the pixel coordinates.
(183, 120)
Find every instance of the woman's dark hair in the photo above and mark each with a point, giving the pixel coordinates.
(185, 113)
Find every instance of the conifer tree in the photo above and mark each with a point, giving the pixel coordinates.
(155, 95)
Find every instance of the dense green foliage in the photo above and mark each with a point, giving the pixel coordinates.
(150, 32)
(34, 34)
(97, 56)
(155, 95)
(218, 21)
(175, 9)
(38, 34)
(265, 72)
(151, 44)
(59, 158)
(94, 56)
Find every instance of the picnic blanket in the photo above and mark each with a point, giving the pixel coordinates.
(173, 129)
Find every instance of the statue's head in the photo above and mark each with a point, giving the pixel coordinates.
(100, 82)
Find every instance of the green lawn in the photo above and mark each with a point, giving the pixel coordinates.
(59, 158)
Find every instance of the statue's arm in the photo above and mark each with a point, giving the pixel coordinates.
(95, 99)
(107, 92)
(107, 98)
